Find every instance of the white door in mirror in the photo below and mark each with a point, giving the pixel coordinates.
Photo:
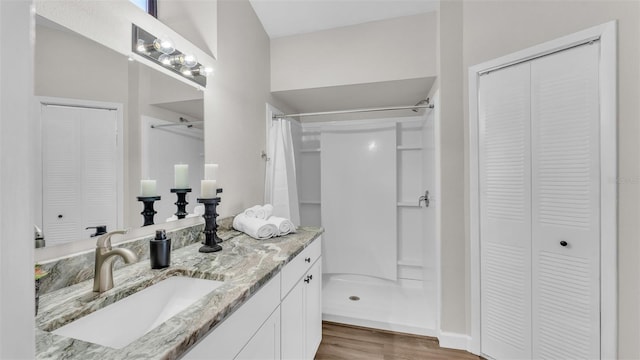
(80, 171)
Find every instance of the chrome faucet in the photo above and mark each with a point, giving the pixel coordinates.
(105, 257)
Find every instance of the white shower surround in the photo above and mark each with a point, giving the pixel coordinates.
(410, 303)
(358, 187)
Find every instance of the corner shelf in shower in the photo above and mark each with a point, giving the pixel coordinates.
(315, 150)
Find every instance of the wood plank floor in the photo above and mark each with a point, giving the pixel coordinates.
(348, 342)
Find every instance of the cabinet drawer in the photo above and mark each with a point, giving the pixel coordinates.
(293, 271)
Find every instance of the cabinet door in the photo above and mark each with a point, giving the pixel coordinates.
(313, 309)
(265, 344)
(293, 314)
(231, 336)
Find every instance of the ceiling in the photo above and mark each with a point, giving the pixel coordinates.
(291, 17)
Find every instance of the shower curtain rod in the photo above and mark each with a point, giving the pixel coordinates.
(352, 111)
(187, 124)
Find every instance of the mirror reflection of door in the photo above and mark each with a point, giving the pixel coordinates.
(80, 163)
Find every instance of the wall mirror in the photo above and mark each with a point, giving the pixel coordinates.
(96, 108)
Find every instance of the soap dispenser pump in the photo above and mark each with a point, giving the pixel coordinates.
(160, 250)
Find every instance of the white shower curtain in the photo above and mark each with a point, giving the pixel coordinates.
(281, 188)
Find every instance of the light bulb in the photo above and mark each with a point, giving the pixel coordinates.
(164, 46)
(165, 59)
(186, 71)
(203, 70)
(189, 60)
(141, 47)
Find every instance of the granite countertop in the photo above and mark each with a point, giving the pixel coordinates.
(244, 264)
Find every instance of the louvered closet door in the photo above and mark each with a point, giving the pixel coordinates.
(566, 227)
(505, 221)
(79, 171)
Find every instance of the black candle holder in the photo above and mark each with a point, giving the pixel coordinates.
(182, 202)
(210, 225)
(148, 211)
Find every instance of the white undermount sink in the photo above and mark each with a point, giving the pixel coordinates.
(126, 320)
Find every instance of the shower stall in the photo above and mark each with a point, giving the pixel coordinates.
(371, 184)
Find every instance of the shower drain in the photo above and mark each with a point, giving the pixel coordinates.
(354, 298)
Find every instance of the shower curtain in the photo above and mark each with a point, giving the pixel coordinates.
(281, 188)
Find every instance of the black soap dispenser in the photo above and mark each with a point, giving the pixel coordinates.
(160, 250)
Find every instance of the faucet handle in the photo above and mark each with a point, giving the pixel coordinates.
(104, 241)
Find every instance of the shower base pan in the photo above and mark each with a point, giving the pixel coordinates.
(403, 306)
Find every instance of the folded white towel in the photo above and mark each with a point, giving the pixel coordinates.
(254, 227)
(285, 226)
(260, 212)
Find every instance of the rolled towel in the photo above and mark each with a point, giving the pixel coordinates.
(254, 227)
(260, 212)
(198, 210)
(251, 212)
(285, 226)
(265, 212)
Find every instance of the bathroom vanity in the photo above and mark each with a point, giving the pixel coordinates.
(268, 305)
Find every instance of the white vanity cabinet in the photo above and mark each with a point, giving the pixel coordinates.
(301, 306)
(283, 320)
(251, 332)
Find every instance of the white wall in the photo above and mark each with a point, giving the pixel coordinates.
(235, 107)
(71, 66)
(196, 20)
(489, 29)
(16, 228)
(453, 252)
(395, 49)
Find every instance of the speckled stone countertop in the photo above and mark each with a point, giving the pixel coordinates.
(244, 265)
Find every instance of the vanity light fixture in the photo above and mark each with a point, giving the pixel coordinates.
(162, 51)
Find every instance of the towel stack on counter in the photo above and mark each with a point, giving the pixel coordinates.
(258, 223)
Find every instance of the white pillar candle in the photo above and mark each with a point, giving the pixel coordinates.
(208, 189)
(181, 176)
(148, 188)
(211, 171)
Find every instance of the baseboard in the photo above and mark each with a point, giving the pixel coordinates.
(454, 340)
